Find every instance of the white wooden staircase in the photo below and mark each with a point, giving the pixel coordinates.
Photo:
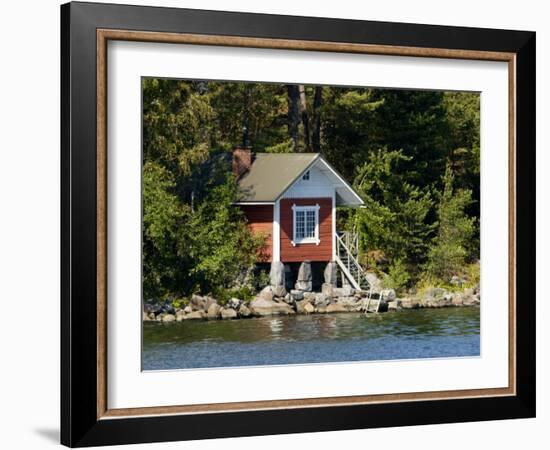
(347, 251)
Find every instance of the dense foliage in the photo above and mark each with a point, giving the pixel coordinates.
(413, 156)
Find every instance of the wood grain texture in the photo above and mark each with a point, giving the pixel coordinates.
(306, 252)
(288, 44)
(101, 220)
(512, 269)
(260, 221)
(309, 402)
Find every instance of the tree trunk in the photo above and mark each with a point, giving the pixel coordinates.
(246, 117)
(293, 113)
(305, 118)
(317, 103)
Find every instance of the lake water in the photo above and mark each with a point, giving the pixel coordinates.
(410, 334)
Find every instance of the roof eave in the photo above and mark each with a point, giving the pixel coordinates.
(254, 203)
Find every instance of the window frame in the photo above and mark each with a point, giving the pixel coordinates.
(305, 209)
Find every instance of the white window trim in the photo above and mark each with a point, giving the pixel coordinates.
(314, 240)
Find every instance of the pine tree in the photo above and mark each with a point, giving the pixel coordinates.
(449, 251)
(393, 222)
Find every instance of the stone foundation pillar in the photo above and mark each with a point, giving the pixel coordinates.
(277, 278)
(330, 273)
(304, 281)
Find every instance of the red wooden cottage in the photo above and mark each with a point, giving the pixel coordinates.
(292, 198)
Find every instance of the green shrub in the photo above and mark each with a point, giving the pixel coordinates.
(447, 256)
(472, 275)
(180, 302)
(222, 295)
(398, 276)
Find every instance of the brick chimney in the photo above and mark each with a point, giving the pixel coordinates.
(242, 160)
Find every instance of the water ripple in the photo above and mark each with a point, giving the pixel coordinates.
(448, 332)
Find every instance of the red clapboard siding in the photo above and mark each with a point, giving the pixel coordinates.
(303, 252)
(260, 220)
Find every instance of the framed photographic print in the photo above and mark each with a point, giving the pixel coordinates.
(276, 224)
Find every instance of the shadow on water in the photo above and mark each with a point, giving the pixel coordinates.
(428, 333)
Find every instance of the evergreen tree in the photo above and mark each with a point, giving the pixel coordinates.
(393, 222)
(348, 127)
(449, 252)
(191, 230)
(415, 122)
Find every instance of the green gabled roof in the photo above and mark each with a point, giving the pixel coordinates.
(271, 174)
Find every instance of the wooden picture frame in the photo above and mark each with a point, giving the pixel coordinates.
(85, 417)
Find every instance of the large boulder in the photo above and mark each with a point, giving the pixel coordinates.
(374, 282)
(266, 293)
(335, 308)
(296, 294)
(394, 305)
(304, 280)
(279, 291)
(198, 303)
(244, 311)
(472, 300)
(152, 308)
(409, 303)
(388, 295)
(195, 315)
(168, 318)
(261, 306)
(350, 303)
(304, 307)
(277, 274)
(330, 273)
(213, 311)
(304, 285)
(327, 290)
(457, 300)
(228, 313)
(321, 300)
(344, 291)
(209, 301)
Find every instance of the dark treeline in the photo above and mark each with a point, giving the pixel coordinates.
(412, 155)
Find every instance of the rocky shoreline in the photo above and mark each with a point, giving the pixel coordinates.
(277, 299)
(269, 302)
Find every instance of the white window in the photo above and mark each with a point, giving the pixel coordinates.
(306, 224)
(305, 176)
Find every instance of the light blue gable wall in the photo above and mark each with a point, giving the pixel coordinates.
(318, 185)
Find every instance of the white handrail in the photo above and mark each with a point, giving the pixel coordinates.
(350, 257)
